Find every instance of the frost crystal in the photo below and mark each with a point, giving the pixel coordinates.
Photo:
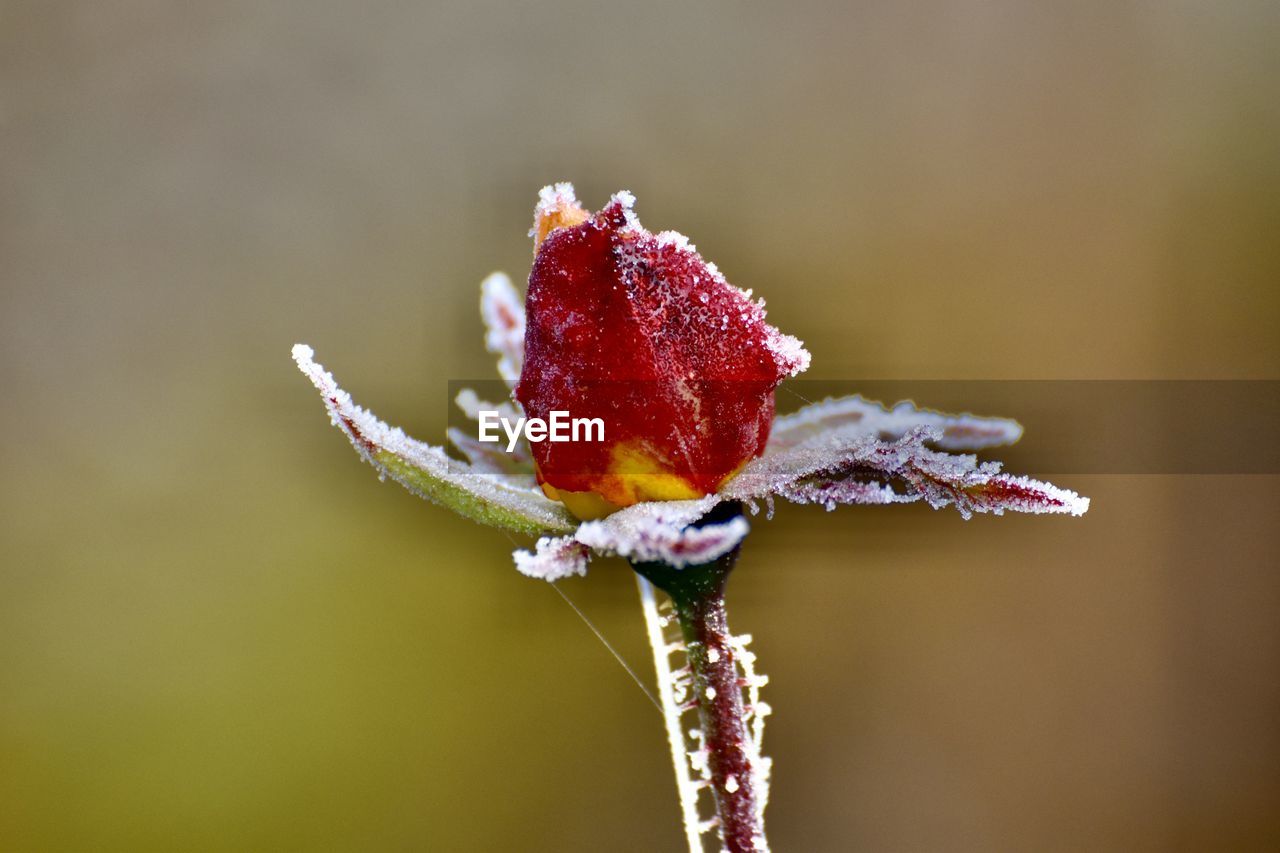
(627, 202)
(503, 314)
(830, 493)
(675, 240)
(553, 199)
(554, 558)
(788, 350)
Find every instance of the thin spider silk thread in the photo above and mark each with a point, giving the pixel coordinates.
(618, 657)
(599, 636)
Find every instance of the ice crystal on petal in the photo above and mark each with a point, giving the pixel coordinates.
(659, 531)
(428, 471)
(676, 240)
(554, 558)
(788, 350)
(626, 202)
(675, 257)
(503, 312)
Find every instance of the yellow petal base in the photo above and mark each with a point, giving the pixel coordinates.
(634, 476)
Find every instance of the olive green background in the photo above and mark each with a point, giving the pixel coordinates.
(218, 631)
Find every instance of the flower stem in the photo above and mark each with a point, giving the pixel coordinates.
(686, 788)
(719, 697)
(736, 771)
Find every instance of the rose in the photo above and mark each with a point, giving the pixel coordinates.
(639, 327)
(638, 330)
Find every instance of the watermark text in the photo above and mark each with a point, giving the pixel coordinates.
(559, 427)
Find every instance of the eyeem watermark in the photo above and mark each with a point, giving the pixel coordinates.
(559, 427)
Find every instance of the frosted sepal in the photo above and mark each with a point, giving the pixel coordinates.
(553, 558)
(502, 310)
(659, 531)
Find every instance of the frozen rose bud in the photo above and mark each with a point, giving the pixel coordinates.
(638, 330)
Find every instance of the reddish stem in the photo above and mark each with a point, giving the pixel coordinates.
(719, 696)
(698, 595)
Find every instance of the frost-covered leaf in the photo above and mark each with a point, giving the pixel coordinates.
(503, 312)
(855, 416)
(554, 558)
(659, 531)
(428, 472)
(831, 469)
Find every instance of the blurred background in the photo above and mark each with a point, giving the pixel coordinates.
(219, 631)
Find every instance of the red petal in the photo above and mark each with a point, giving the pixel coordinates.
(640, 331)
